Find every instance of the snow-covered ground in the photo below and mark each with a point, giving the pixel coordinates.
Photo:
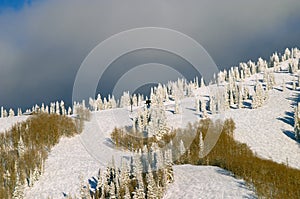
(194, 182)
(7, 122)
(66, 163)
(268, 131)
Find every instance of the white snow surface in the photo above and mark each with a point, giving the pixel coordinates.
(194, 182)
(268, 131)
(7, 122)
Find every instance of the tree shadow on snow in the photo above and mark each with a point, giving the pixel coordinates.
(288, 119)
(171, 111)
(108, 142)
(278, 89)
(191, 109)
(247, 105)
(291, 135)
(93, 183)
(240, 183)
(295, 99)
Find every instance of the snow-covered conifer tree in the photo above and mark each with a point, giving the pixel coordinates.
(287, 54)
(151, 185)
(127, 193)
(201, 145)
(57, 111)
(43, 108)
(2, 112)
(5, 114)
(92, 104)
(18, 192)
(62, 106)
(203, 108)
(21, 147)
(197, 105)
(181, 147)
(113, 102)
(20, 112)
(212, 105)
(11, 113)
(254, 104)
(294, 84)
(202, 84)
(176, 110)
(240, 99)
(46, 110)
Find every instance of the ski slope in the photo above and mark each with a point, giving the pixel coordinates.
(194, 182)
(268, 131)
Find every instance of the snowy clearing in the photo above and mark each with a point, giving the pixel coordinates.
(196, 182)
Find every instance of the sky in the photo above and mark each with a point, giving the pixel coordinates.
(43, 42)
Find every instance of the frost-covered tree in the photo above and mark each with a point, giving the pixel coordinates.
(21, 147)
(181, 147)
(252, 67)
(262, 65)
(274, 60)
(125, 100)
(43, 108)
(84, 190)
(5, 114)
(176, 109)
(259, 96)
(19, 112)
(212, 105)
(203, 108)
(47, 109)
(226, 98)
(11, 113)
(2, 112)
(98, 103)
(63, 109)
(293, 66)
(127, 193)
(18, 192)
(201, 145)
(197, 105)
(151, 185)
(294, 84)
(287, 54)
(297, 122)
(52, 108)
(202, 84)
(240, 100)
(57, 108)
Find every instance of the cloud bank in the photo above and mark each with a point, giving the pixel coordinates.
(43, 45)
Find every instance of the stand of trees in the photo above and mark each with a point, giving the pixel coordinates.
(24, 149)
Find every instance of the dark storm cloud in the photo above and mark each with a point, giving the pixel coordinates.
(43, 45)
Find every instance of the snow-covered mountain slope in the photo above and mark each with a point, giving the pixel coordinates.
(267, 130)
(205, 182)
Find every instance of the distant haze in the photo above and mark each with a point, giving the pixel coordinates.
(43, 44)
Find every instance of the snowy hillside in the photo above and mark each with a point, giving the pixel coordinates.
(267, 130)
